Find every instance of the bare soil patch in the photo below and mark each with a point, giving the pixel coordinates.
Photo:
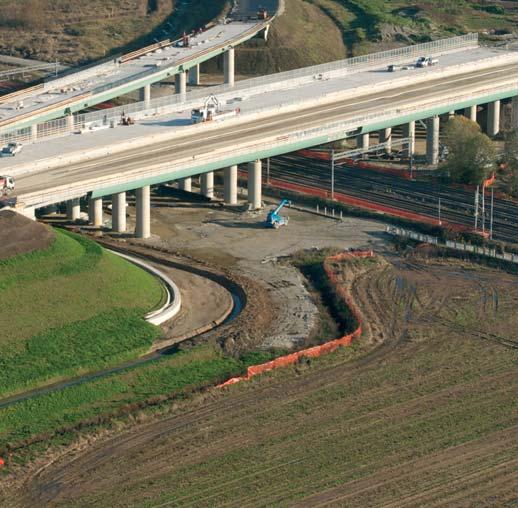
(19, 235)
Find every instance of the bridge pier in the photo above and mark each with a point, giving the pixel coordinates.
(493, 118)
(228, 66)
(363, 141)
(194, 75)
(119, 212)
(95, 211)
(255, 184)
(73, 209)
(471, 113)
(145, 95)
(70, 123)
(514, 112)
(143, 211)
(230, 185)
(185, 184)
(409, 132)
(207, 184)
(385, 136)
(432, 140)
(34, 132)
(180, 83)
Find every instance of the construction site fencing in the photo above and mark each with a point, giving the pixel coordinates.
(328, 347)
(458, 246)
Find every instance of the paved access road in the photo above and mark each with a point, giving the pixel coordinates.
(457, 205)
(226, 138)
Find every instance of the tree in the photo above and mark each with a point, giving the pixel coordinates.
(471, 154)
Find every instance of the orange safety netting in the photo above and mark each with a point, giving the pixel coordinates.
(315, 351)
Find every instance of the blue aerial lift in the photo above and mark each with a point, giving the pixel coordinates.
(274, 220)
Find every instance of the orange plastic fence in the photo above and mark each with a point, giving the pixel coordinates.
(315, 351)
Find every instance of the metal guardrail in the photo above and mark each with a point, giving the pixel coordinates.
(459, 246)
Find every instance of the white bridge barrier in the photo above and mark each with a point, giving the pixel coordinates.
(459, 246)
(163, 105)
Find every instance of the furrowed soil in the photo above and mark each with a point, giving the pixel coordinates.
(425, 417)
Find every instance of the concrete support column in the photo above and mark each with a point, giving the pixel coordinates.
(180, 83)
(34, 132)
(471, 113)
(514, 113)
(143, 210)
(70, 123)
(230, 185)
(119, 212)
(493, 118)
(95, 211)
(363, 141)
(207, 184)
(194, 75)
(432, 140)
(145, 94)
(451, 114)
(185, 184)
(73, 209)
(228, 66)
(385, 136)
(255, 184)
(409, 132)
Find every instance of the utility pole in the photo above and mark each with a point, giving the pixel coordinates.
(476, 208)
(483, 209)
(332, 174)
(440, 222)
(491, 216)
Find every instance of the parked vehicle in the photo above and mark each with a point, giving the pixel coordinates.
(6, 185)
(11, 149)
(426, 61)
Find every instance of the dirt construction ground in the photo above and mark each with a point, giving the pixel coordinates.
(424, 415)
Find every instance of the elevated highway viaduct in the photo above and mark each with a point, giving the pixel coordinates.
(179, 154)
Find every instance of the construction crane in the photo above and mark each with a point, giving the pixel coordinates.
(274, 220)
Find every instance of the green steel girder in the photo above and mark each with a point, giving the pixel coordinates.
(290, 147)
(213, 166)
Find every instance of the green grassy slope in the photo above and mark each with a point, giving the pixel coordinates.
(317, 31)
(72, 306)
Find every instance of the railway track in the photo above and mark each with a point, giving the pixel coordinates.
(457, 205)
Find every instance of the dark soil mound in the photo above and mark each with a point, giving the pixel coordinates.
(18, 234)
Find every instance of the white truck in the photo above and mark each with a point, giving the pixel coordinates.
(6, 185)
(426, 61)
(11, 149)
(211, 111)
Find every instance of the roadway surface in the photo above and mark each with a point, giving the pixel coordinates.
(185, 150)
(457, 205)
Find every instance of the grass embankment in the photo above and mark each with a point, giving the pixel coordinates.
(318, 31)
(56, 417)
(70, 308)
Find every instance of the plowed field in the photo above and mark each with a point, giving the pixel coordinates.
(426, 417)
